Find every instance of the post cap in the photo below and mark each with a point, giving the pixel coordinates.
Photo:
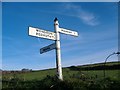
(117, 53)
(55, 19)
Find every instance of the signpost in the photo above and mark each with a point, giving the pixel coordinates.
(53, 36)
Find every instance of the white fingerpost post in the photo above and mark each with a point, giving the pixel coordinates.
(58, 52)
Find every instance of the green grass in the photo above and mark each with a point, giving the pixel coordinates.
(37, 75)
(73, 78)
(109, 73)
(67, 73)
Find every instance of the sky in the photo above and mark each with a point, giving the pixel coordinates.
(96, 23)
(60, 0)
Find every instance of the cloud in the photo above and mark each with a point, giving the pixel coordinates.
(72, 10)
(88, 18)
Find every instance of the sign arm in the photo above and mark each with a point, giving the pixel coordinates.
(68, 31)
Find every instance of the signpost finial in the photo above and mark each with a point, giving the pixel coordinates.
(55, 19)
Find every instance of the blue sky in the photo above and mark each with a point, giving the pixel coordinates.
(60, 0)
(96, 23)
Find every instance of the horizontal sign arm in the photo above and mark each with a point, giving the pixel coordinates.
(42, 33)
(47, 48)
(67, 31)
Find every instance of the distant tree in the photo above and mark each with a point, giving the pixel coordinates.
(74, 68)
(26, 70)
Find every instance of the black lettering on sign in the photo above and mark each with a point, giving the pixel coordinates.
(36, 30)
(66, 31)
(36, 33)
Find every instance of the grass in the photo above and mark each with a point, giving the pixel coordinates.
(75, 81)
(67, 73)
(35, 75)
(73, 78)
(38, 75)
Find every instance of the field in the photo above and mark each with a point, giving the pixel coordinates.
(75, 78)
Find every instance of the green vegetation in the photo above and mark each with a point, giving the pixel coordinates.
(75, 78)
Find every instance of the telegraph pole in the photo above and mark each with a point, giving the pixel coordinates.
(58, 52)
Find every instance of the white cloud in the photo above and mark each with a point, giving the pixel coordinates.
(88, 18)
